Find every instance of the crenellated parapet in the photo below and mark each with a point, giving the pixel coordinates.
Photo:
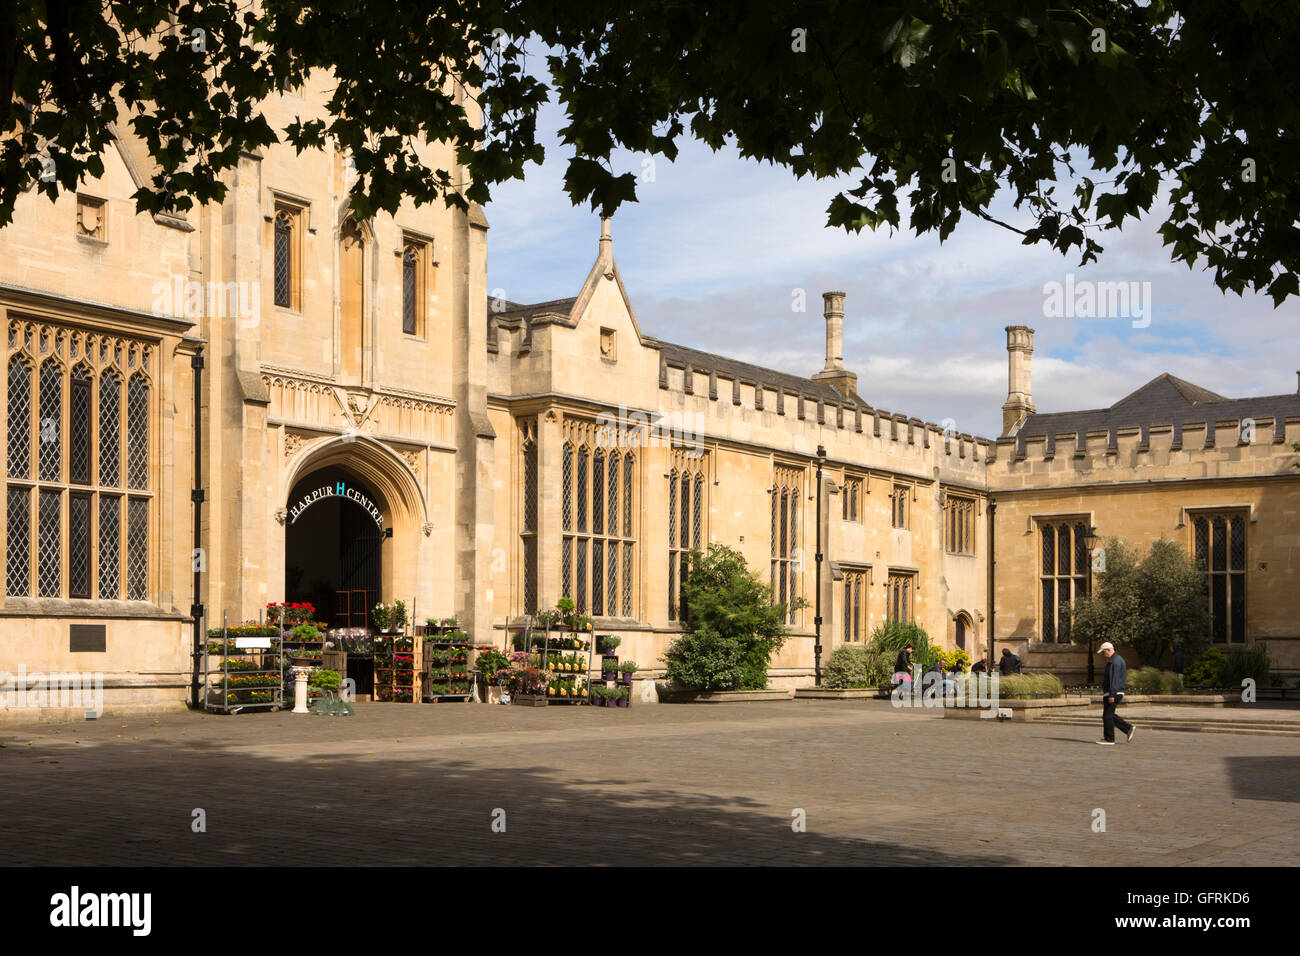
(1212, 448)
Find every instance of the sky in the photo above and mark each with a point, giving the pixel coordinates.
(714, 250)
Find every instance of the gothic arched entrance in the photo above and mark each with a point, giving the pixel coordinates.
(333, 556)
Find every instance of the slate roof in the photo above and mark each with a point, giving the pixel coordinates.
(1165, 400)
(679, 356)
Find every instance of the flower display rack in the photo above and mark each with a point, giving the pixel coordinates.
(395, 668)
(566, 659)
(243, 668)
(447, 674)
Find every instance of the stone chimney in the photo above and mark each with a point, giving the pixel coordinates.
(606, 252)
(1020, 401)
(835, 373)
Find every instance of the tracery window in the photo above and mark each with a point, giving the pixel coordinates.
(597, 547)
(686, 516)
(787, 488)
(1063, 577)
(854, 606)
(959, 524)
(74, 446)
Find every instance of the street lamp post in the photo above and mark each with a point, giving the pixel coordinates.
(817, 614)
(1090, 542)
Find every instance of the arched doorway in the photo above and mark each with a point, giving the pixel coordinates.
(333, 555)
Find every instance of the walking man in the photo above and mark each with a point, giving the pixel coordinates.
(1112, 690)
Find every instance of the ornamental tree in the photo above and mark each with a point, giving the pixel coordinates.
(1148, 602)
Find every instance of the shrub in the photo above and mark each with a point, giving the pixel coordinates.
(851, 665)
(326, 679)
(1152, 680)
(953, 660)
(1206, 670)
(732, 603)
(1252, 662)
(705, 660)
(1021, 686)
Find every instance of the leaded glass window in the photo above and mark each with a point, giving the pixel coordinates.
(110, 518)
(410, 288)
(20, 418)
(110, 404)
(137, 549)
(49, 545)
(959, 525)
(18, 547)
(899, 596)
(284, 227)
(79, 545)
(137, 433)
(50, 424)
(79, 426)
(528, 531)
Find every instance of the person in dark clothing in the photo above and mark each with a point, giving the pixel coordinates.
(1113, 686)
(903, 666)
(1009, 664)
(981, 666)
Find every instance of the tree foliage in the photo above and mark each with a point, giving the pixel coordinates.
(1145, 601)
(1077, 112)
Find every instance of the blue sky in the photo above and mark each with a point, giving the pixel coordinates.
(714, 249)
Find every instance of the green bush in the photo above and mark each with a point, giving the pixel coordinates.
(1206, 670)
(325, 679)
(853, 665)
(705, 660)
(1152, 680)
(1021, 686)
(1252, 662)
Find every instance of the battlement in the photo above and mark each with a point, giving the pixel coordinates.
(1204, 449)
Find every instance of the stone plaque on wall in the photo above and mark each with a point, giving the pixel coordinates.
(87, 638)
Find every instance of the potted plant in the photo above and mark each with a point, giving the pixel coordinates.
(381, 615)
(609, 669)
(624, 696)
(626, 669)
(304, 634)
(607, 643)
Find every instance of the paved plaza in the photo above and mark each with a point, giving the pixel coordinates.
(665, 784)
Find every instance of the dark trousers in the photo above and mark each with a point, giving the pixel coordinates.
(1110, 720)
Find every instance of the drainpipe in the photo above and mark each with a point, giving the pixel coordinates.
(196, 496)
(993, 507)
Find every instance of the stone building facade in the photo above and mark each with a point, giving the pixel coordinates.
(352, 419)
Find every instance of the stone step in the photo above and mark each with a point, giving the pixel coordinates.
(1222, 727)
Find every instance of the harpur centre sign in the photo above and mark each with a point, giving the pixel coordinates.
(338, 490)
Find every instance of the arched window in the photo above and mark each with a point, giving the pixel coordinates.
(411, 288)
(283, 250)
(596, 546)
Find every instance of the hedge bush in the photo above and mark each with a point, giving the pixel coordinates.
(1152, 680)
(1022, 686)
(854, 665)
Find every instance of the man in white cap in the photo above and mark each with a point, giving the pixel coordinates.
(1113, 686)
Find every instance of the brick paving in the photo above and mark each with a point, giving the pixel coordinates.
(666, 784)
